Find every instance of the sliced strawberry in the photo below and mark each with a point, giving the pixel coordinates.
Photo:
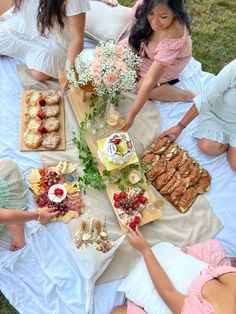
(122, 194)
(137, 220)
(117, 204)
(41, 114)
(116, 141)
(42, 102)
(116, 197)
(58, 192)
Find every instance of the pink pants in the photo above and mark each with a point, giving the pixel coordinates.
(211, 252)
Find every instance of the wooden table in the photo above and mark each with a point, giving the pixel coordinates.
(80, 103)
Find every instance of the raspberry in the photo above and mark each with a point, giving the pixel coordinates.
(116, 197)
(42, 102)
(117, 204)
(137, 220)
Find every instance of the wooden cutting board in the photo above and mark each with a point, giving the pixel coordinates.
(80, 103)
(61, 131)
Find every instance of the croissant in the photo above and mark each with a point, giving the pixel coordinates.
(171, 184)
(194, 174)
(187, 199)
(149, 159)
(161, 180)
(176, 195)
(157, 170)
(203, 183)
(177, 160)
(186, 167)
(160, 145)
(172, 151)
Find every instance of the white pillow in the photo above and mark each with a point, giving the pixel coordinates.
(104, 22)
(181, 268)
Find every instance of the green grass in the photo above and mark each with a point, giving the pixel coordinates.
(214, 45)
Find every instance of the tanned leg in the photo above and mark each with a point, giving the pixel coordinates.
(119, 310)
(212, 148)
(40, 76)
(18, 237)
(231, 155)
(167, 92)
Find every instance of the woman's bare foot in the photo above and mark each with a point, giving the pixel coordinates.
(18, 236)
(189, 95)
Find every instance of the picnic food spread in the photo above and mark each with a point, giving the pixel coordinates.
(174, 173)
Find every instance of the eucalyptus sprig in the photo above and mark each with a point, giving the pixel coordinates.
(91, 177)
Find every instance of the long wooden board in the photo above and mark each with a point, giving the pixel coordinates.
(61, 131)
(80, 103)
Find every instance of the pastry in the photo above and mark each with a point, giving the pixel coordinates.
(177, 160)
(203, 183)
(32, 111)
(33, 97)
(172, 184)
(176, 195)
(51, 97)
(118, 148)
(51, 110)
(160, 145)
(149, 159)
(187, 199)
(158, 169)
(161, 180)
(186, 167)
(51, 124)
(194, 174)
(32, 139)
(34, 124)
(172, 151)
(51, 140)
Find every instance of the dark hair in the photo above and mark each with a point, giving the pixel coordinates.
(49, 13)
(141, 30)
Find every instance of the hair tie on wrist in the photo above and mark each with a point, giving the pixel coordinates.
(182, 126)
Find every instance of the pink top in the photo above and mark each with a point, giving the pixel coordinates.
(175, 53)
(211, 252)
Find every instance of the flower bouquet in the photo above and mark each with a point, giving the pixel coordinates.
(110, 69)
(94, 252)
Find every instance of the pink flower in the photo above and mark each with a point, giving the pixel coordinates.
(96, 69)
(118, 49)
(110, 79)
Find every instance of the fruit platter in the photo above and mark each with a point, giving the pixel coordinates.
(42, 121)
(54, 189)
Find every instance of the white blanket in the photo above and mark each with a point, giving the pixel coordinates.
(27, 276)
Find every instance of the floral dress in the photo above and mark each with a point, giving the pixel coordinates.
(20, 39)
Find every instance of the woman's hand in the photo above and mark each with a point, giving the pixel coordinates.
(137, 240)
(128, 122)
(173, 132)
(46, 215)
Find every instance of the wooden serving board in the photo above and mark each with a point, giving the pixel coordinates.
(80, 103)
(61, 131)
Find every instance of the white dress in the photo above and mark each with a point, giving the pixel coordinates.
(20, 39)
(217, 108)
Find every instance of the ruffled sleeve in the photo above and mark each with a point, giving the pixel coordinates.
(74, 7)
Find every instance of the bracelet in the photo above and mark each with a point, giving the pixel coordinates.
(39, 215)
(181, 125)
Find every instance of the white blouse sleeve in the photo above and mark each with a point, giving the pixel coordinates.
(74, 7)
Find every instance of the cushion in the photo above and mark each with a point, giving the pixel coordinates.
(105, 22)
(181, 268)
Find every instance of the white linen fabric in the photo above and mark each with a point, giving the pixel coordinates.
(20, 39)
(49, 285)
(181, 268)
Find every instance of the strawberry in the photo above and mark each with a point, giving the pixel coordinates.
(42, 102)
(116, 141)
(132, 225)
(122, 194)
(143, 199)
(117, 204)
(116, 197)
(58, 192)
(41, 114)
(137, 220)
(42, 130)
(135, 206)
